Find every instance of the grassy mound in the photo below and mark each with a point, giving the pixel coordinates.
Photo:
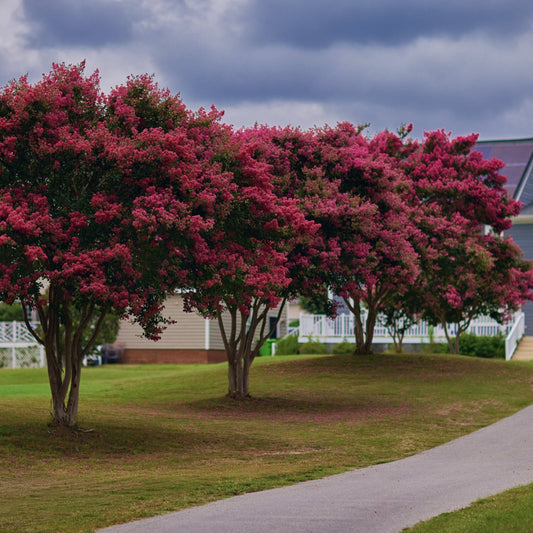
(161, 438)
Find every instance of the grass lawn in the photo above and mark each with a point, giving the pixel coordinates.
(165, 437)
(503, 513)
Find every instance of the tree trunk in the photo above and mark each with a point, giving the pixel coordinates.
(370, 326)
(65, 396)
(359, 331)
(242, 343)
(234, 340)
(453, 342)
(236, 381)
(363, 334)
(447, 334)
(397, 335)
(457, 339)
(62, 342)
(238, 378)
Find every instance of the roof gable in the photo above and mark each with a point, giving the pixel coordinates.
(517, 154)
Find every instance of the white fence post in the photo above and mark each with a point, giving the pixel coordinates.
(516, 333)
(14, 340)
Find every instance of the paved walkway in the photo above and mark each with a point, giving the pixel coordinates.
(524, 350)
(383, 498)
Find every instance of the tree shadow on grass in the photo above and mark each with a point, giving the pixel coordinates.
(202, 426)
(109, 439)
(305, 408)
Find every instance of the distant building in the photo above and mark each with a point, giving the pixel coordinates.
(190, 339)
(517, 155)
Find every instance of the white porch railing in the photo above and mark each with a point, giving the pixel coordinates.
(516, 332)
(18, 348)
(332, 331)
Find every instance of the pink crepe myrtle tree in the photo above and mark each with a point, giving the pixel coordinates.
(377, 258)
(297, 173)
(347, 185)
(100, 198)
(479, 275)
(245, 272)
(460, 204)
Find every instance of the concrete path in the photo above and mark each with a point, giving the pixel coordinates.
(383, 498)
(524, 350)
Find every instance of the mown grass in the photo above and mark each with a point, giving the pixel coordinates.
(503, 513)
(164, 437)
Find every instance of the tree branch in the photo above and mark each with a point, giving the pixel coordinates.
(96, 332)
(29, 326)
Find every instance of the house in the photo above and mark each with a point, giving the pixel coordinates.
(517, 154)
(191, 339)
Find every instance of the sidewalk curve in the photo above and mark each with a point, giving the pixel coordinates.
(382, 498)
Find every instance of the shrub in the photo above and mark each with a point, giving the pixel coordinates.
(313, 347)
(487, 347)
(342, 348)
(8, 313)
(287, 346)
(436, 347)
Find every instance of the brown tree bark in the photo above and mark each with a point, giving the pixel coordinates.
(62, 341)
(242, 341)
(364, 334)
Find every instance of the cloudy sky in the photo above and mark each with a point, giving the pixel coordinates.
(461, 65)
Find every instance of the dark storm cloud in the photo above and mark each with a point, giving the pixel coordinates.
(79, 23)
(250, 76)
(423, 77)
(317, 50)
(453, 65)
(461, 65)
(317, 24)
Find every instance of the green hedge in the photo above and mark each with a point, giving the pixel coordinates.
(313, 347)
(290, 346)
(342, 348)
(287, 346)
(473, 346)
(8, 313)
(469, 344)
(487, 347)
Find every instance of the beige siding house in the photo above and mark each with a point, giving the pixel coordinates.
(191, 339)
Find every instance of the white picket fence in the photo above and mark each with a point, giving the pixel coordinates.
(332, 331)
(18, 348)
